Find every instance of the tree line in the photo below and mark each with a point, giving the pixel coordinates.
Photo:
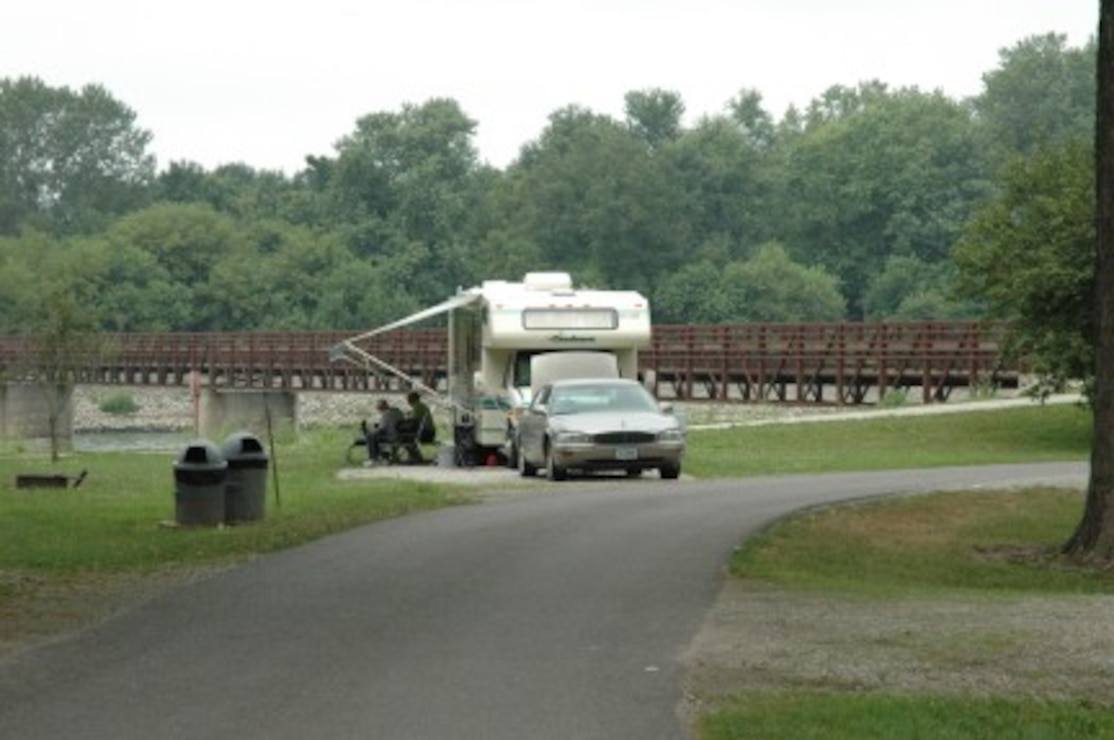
(870, 203)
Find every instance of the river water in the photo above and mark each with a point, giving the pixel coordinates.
(118, 441)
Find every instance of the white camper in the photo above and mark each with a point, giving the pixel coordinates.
(506, 338)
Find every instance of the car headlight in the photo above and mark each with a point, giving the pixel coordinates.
(572, 438)
(671, 435)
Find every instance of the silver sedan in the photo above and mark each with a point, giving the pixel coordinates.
(590, 425)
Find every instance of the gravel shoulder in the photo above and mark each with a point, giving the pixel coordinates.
(756, 638)
(762, 639)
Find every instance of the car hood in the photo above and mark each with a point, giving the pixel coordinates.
(612, 422)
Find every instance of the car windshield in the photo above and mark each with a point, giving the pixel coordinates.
(586, 399)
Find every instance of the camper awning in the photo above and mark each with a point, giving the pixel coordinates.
(347, 350)
(457, 301)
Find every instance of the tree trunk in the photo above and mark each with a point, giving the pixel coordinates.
(57, 397)
(1095, 534)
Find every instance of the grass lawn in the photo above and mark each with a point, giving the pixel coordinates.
(882, 717)
(116, 519)
(1027, 434)
(925, 545)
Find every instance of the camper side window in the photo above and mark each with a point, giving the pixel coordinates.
(522, 369)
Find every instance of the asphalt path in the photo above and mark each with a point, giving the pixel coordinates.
(564, 613)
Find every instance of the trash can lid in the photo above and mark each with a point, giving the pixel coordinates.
(201, 455)
(242, 446)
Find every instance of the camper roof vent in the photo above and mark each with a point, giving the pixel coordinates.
(548, 281)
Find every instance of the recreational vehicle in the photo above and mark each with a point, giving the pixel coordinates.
(507, 338)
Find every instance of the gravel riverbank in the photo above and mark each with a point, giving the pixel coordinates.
(172, 409)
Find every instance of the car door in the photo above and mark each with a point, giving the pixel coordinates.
(531, 430)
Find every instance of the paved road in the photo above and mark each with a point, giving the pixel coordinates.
(560, 616)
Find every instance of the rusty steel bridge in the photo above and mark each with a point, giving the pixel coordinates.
(832, 363)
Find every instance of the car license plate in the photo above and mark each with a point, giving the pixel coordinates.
(626, 453)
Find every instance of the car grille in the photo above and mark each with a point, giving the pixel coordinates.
(623, 438)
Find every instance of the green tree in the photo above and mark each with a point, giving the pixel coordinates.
(752, 118)
(594, 202)
(407, 182)
(20, 277)
(187, 240)
(284, 285)
(654, 115)
(770, 286)
(362, 296)
(1029, 255)
(188, 244)
(505, 254)
(66, 341)
(119, 286)
(908, 289)
(721, 187)
(840, 102)
(879, 175)
(694, 294)
(1041, 94)
(238, 190)
(69, 161)
(767, 287)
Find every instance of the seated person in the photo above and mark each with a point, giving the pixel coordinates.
(422, 417)
(385, 431)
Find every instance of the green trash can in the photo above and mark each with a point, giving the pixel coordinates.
(199, 481)
(246, 485)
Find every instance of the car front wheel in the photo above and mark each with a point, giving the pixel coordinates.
(553, 471)
(670, 472)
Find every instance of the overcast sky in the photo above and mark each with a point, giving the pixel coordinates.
(266, 82)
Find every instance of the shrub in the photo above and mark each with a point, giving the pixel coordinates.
(119, 404)
(894, 398)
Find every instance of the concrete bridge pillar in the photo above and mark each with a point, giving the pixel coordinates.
(26, 408)
(225, 410)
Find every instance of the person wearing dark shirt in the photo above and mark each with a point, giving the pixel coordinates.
(423, 417)
(384, 432)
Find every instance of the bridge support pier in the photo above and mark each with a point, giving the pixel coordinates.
(224, 410)
(26, 408)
